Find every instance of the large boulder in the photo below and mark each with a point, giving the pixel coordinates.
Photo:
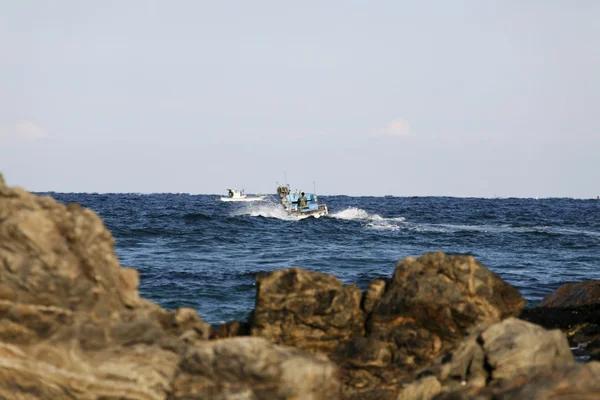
(60, 256)
(72, 324)
(432, 301)
(498, 356)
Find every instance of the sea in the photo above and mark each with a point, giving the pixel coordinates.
(195, 251)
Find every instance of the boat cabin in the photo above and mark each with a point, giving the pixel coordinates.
(311, 202)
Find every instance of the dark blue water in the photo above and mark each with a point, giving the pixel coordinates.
(194, 251)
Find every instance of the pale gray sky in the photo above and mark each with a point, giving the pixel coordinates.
(456, 98)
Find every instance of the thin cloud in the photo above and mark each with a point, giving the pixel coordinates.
(397, 127)
(24, 130)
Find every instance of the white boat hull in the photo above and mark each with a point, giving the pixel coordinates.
(242, 199)
(314, 213)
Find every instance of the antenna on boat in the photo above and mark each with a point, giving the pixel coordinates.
(284, 177)
(314, 188)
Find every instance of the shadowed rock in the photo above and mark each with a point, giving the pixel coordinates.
(581, 323)
(495, 357)
(398, 326)
(573, 294)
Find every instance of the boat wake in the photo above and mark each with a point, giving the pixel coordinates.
(373, 221)
(498, 229)
(269, 210)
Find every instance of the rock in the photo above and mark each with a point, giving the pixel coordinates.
(425, 389)
(400, 326)
(60, 256)
(593, 349)
(73, 325)
(129, 282)
(564, 382)
(575, 309)
(432, 301)
(230, 329)
(364, 352)
(493, 357)
(573, 294)
(308, 310)
(63, 372)
(252, 368)
(373, 295)
(581, 324)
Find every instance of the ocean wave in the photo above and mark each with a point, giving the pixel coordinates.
(265, 210)
(499, 229)
(195, 217)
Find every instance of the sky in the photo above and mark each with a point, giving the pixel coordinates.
(363, 98)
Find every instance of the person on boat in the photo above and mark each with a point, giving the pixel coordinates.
(302, 202)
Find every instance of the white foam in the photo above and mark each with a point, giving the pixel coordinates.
(269, 210)
(383, 226)
(351, 213)
(372, 221)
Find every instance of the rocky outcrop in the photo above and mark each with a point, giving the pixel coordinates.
(72, 324)
(379, 338)
(494, 359)
(573, 294)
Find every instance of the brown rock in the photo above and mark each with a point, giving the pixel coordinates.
(364, 352)
(59, 372)
(252, 368)
(373, 295)
(230, 329)
(573, 294)
(56, 255)
(426, 308)
(129, 282)
(307, 310)
(563, 382)
(432, 301)
(493, 358)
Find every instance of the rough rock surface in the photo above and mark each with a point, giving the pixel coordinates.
(395, 328)
(433, 300)
(72, 324)
(494, 358)
(573, 294)
(252, 368)
(308, 310)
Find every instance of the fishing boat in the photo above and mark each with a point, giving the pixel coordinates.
(239, 195)
(292, 203)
